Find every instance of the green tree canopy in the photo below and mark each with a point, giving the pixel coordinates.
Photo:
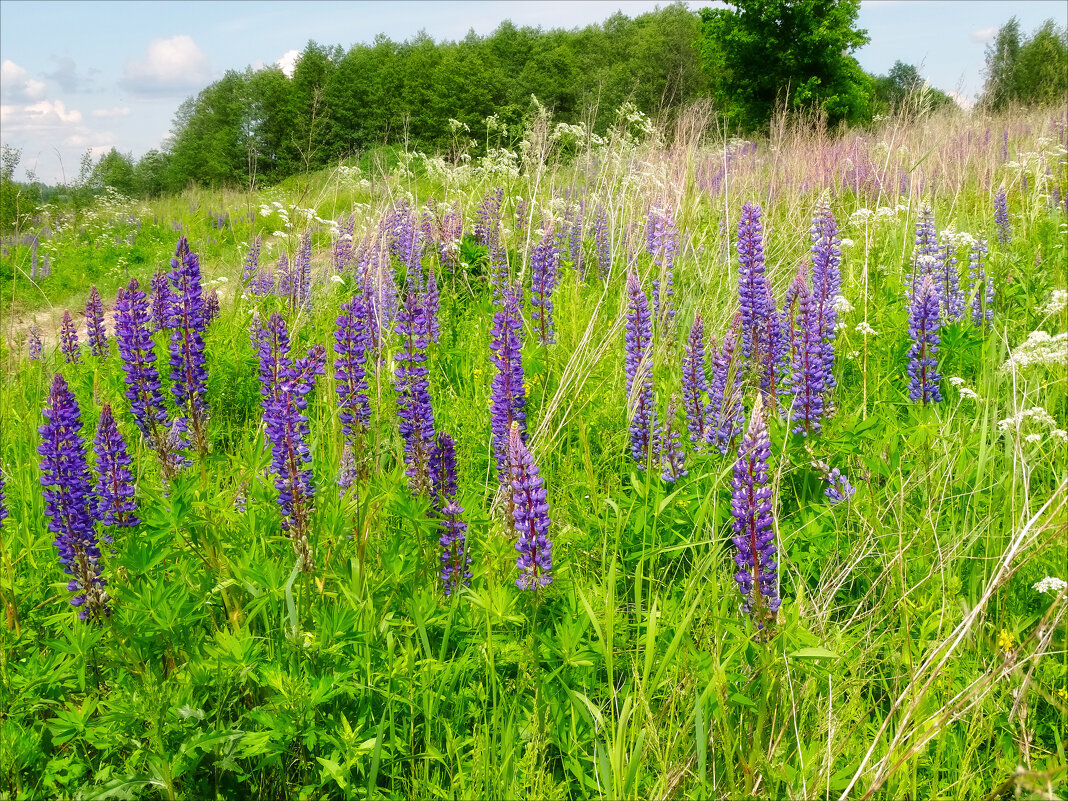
(761, 53)
(1029, 70)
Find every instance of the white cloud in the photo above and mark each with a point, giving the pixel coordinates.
(66, 75)
(288, 62)
(108, 113)
(170, 67)
(984, 35)
(17, 86)
(41, 116)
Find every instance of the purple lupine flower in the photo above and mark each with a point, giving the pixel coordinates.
(69, 501)
(948, 281)
(669, 450)
(138, 358)
(602, 243)
(544, 276)
(488, 220)
(500, 274)
(639, 370)
(923, 328)
(272, 347)
(530, 512)
(980, 286)
(115, 504)
(752, 294)
(94, 324)
(1001, 217)
(751, 509)
(454, 556)
(838, 488)
(264, 285)
(826, 284)
(807, 382)
(187, 320)
(287, 430)
(695, 383)
(212, 306)
(348, 471)
(507, 398)
(725, 414)
(412, 384)
(451, 234)
(925, 255)
(250, 275)
(662, 239)
(351, 343)
(35, 343)
(68, 340)
(341, 251)
(161, 302)
(442, 471)
(432, 304)
(789, 319)
(522, 213)
(775, 352)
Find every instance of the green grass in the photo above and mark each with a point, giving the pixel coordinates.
(911, 656)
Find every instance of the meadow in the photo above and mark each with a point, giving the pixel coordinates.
(658, 464)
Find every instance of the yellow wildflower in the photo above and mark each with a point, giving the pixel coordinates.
(1005, 640)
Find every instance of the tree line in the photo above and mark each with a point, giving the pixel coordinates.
(258, 126)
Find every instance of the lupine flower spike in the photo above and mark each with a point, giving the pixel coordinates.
(115, 489)
(413, 393)
(754, 537)
(94, 324)
(188, 361)
(69, 501)
(1001, 217)
(923, 328)
(695, 383)
(454, 556)
(507, 396)
(530, 512)
(672, 458)
(35, 343)
(68, 340)
(638, 365)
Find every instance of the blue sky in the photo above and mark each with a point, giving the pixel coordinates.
(80, 76)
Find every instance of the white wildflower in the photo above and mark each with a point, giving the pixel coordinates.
(1033, 438)
(1050, 584)
(1039, 348)
(842, 306)
(956, 380)
(1057, 302)
(1060, 434)
(847, 243)
(222, 279)
(1035, 413)
(337, 279)
(865, 329)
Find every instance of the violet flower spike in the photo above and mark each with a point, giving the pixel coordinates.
(68, 340)
(754, 537)
(115, 488)
(442, 472)
(3, 500)
(530, 513)
(138, 358)
(161, 302)
(507, 397)
(543, 277)
(980, 286)
(454, 556)
(187, 357)
(826, 284)
(35, 343)
(1001, 217)
(250, 275)
(69, 501)
(808, 364)
(695, 383)
(669, 449)
(432, 303)
(638, 365)
(602, 243)
(923, 328)
(662, 240)
(412, 385)
(94, 324)
(351, 343)
(725, 413)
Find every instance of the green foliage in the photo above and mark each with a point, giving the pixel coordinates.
(760, 55)
(1030, 71)
(902, 89)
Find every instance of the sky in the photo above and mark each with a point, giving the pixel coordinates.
(89, 76)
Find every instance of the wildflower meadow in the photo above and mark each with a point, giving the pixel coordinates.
(652, 464)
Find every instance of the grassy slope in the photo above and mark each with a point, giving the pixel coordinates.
(911, 657)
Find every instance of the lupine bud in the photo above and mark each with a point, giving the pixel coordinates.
(35, 343)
